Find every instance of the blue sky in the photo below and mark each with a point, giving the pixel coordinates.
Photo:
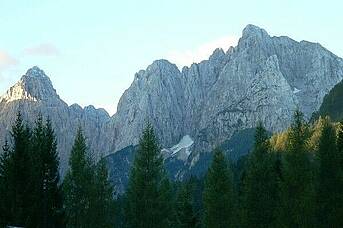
(92, 49)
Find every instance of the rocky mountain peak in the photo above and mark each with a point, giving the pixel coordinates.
(35, 72)
(92, 111)
(159, 68)
(163, 66)
(218, 53)
(264, 78)
(35, 85)
(254, 31)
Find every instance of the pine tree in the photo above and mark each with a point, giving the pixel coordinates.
(88, 195)
(261, 193)
(20, 173)
(36, 183)
(52, 192)
(104, 205)
(219, 203)
(46, 206)
(149, 192)
(185, 214)
(5, 201)
(340, 144)
(297, 187)
(77, 185)
(330, 182)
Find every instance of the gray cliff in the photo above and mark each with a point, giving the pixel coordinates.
(263, 78)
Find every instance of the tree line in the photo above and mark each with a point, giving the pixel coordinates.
(291, 179)
(31, 191)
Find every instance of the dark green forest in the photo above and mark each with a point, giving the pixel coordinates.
(290, 179)
(332, 104)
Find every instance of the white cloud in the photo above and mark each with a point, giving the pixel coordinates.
(6, 61)
(44, 49)
(187, 57)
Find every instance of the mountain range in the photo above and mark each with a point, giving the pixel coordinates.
(264, 78)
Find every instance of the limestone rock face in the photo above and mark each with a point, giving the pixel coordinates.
(155, 95)
(34, 94)
(33, 86)
(263, 78)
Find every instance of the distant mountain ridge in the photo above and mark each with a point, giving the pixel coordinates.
(34, 94)
(263, 78)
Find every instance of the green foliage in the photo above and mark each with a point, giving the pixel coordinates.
(19, 174)
(88, 197)
(186, 216)
(5, 168)
(37, 179)
(330, 182)
(340, 144)
(47, 209)
(261, 193)
(332, 105)
(294, 179)
(219, 196)
(148, 201)
(104, 204)
(52, 193)
(30, 194)
(297, 186)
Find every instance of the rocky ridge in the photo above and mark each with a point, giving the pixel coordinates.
(34, 94)
(263, 78)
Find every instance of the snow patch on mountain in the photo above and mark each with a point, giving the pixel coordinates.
(296, 90)
(181, 151)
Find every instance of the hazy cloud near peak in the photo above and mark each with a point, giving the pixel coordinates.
(44, 49)
(187, 57)
(6, 61)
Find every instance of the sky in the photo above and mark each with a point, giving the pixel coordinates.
(92, 49)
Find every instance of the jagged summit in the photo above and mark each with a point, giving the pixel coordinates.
(35, 85)
(35, 72)
(158, 67)
(33, 94)
(253, 30)
(217, 54)
(162, 65)
(264, 78)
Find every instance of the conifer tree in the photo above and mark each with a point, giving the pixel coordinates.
(77, 185)
(340, 144)
(52, 192)
(88, 196)
(36, 182)
(5, 165)
(104, 205)
(330, 182)
(46, 199)
(261, 193)
(19, 189)
(149, 192)
(218, 196)
(297, 187)
(185, 214)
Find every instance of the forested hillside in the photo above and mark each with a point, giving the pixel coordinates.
(332, 105)
(290, 179)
